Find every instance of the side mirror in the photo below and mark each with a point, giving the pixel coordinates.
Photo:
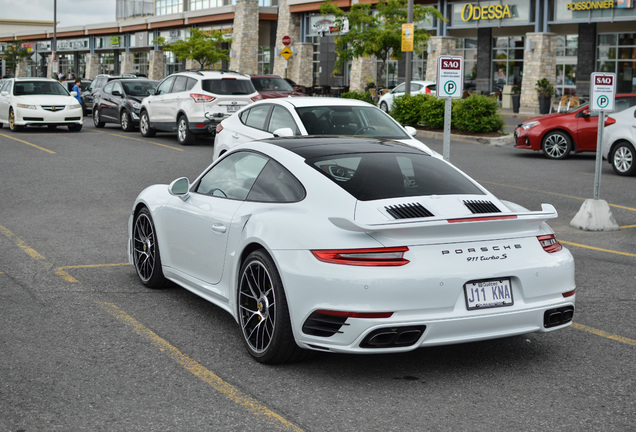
(411, 130)
(180, 187)
(116, 93)
(283, 132)
(74, 93)
(586, 113)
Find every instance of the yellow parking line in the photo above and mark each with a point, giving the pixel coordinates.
(200, 371)
(604, 334)
(143, 140)
(28, 143)
(552, 193)
(597, 248)
(93, 266)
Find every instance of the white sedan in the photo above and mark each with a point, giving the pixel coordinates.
(619, 142)
(309, 116)
(38, 102)
(417, 87)
(352, 245)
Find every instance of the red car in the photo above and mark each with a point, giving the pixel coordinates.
(273, 86)
(558, 134)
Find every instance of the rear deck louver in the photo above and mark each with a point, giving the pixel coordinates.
(477, 206)
(408, 211)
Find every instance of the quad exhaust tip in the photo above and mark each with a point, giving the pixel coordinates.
(393, 337)
(557, 317)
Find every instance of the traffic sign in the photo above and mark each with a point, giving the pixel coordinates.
(286, 53)
(286, 40)
(450, 77)
(602, 91)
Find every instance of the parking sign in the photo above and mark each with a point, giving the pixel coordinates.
(450, 76)
(602, 91)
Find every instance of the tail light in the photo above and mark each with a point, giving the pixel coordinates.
(219, 128)
(380, 257)
(549, 243)
(609, 121)
(366, 315)
(256, 98)
(201, 98)
(428, 90)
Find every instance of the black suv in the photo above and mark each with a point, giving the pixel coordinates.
(99, 82)
(119, 101)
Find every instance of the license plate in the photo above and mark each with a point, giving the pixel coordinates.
(233, 108)
(488, 294)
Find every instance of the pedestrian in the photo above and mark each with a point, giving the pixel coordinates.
(77, 88)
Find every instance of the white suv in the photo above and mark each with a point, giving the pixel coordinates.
(193, 102)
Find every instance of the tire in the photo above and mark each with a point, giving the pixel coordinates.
(75, 127)
(263, 312)
(96, 118)
(557, 145)
(623, 159)
(184, 136)
(146, 256)
(144, 126)
(125, 121)
(384, 107)
(14, 127)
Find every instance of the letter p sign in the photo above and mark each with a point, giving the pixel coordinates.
(450, 77)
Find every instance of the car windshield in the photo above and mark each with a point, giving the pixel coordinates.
(373, 176)
(24, 88)
(139, 88)
(228, 86)
(271, 84)
(351, 121)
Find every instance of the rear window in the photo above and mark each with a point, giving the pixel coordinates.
(374, 176)
(228, 86)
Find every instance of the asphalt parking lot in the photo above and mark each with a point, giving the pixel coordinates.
(84, 346)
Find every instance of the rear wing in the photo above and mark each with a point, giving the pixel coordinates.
(493, 222)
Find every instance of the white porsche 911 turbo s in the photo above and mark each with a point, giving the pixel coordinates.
(352, 245)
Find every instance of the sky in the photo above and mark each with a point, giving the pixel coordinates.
(70, 13)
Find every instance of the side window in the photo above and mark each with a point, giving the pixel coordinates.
(256, 116)
(165, 85)
(414, 87)
(117, 87)
(281, 118)
(276, 184)
(180, 84)
(108, 88)
(233, 176)
(400, 88)
(191, 83)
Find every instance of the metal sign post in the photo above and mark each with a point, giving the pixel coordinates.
(450, 85)
(595, 214)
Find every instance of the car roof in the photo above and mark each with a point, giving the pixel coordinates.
(212, 73)
(312, 147)
(265, 76)
(308, 101)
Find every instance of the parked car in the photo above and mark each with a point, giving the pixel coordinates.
(192, 103)
(99, 82)
(310, 116)
(619, 142)
(273, 86)
(119, 101)
(417, 87)
(297, 87)
(38, 102)
(352, 245)
(559, 134)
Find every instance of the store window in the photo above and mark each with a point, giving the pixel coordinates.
(468, 47)
(107, 63)
(172, 64)
(567, 52)
(616, 53)
(141, 63)
(264, 60)
(167, 7)
(507, 62)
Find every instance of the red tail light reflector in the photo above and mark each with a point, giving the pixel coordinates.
(256, 98)
(568, 294)
(201, 98)
(480, 218)
(609, 121)
(219, 128)
(549, 243)
(367, 315)
(391, 256)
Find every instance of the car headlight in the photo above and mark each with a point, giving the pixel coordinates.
(25, 106)
(530, 125)
(75, 106)
(136, 105)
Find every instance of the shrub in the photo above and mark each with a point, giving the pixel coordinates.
(432, 114)
(477, 113)
(355, 94)
(407, 109)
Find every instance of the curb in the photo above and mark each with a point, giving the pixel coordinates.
(496, 141)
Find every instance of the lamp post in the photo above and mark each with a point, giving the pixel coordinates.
(54, 47)
(409, 54)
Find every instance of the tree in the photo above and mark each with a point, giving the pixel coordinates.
(380, 34)
(202, 47)
(14, 53)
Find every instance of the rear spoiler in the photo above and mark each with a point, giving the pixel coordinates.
(534, 217)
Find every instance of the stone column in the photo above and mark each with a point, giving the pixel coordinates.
(539, 61)
(363, 72)
(245, 37)
(300, 64)
(21, 68)
(92, 66)
(157, 64)
(127, 63)
(439, 46)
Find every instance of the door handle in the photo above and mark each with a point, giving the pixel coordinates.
(220, 228)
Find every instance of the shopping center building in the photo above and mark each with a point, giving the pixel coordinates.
(503, 43)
